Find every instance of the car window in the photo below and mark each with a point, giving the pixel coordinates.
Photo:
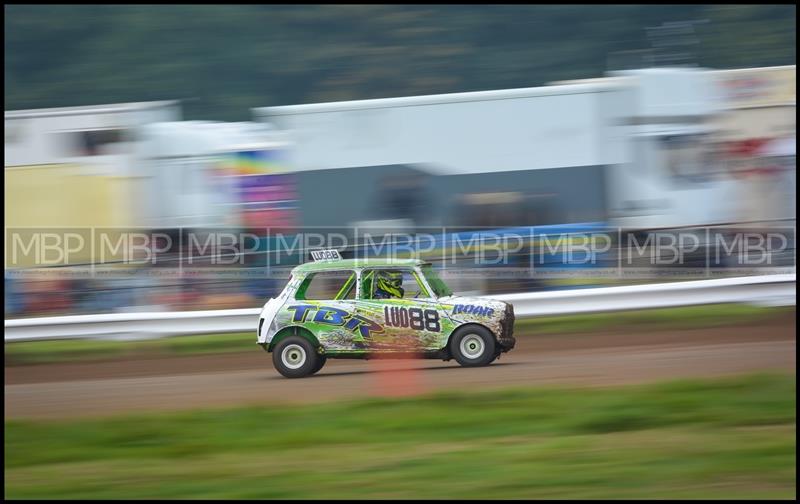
(327, 285)
(392, 284)
(439, 287)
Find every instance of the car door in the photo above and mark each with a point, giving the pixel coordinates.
(411, 319)
(325, 305)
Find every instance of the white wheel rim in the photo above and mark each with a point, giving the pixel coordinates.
(472, 346)
(293, 356)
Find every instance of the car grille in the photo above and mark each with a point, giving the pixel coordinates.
(507, 339)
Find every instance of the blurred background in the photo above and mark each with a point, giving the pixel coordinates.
(171, 158)
(279, 119)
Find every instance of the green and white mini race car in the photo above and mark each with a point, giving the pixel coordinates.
(362, 308)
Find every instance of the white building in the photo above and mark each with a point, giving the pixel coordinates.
(647, 129)
(72, 166)
(190, 172)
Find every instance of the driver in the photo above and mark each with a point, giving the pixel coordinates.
(389, 285)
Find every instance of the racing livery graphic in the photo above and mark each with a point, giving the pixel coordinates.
(335, 308)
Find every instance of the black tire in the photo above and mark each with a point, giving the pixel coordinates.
(295, 357)
(473, 346)
(321, 360)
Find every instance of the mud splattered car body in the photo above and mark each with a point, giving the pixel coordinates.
(353, 320)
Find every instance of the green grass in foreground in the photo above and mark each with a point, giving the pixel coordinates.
(685, 317)
(723, 438)
(39, 352)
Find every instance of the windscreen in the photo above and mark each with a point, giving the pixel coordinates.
(439, 287)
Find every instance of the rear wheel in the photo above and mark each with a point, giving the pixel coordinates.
(296, 357)
(473, 346)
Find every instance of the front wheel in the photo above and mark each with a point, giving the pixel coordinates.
(321, 360)
(473, 346)
(296, 357)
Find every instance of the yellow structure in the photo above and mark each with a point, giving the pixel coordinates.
(59, 198)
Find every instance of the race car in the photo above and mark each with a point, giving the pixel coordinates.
(363, 308)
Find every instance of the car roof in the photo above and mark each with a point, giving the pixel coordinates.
(355, 264)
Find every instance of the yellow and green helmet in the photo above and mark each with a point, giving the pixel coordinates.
(389, 284)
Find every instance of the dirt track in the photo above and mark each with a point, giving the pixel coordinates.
(62, 390)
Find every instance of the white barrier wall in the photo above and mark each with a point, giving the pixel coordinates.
(768, 290)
